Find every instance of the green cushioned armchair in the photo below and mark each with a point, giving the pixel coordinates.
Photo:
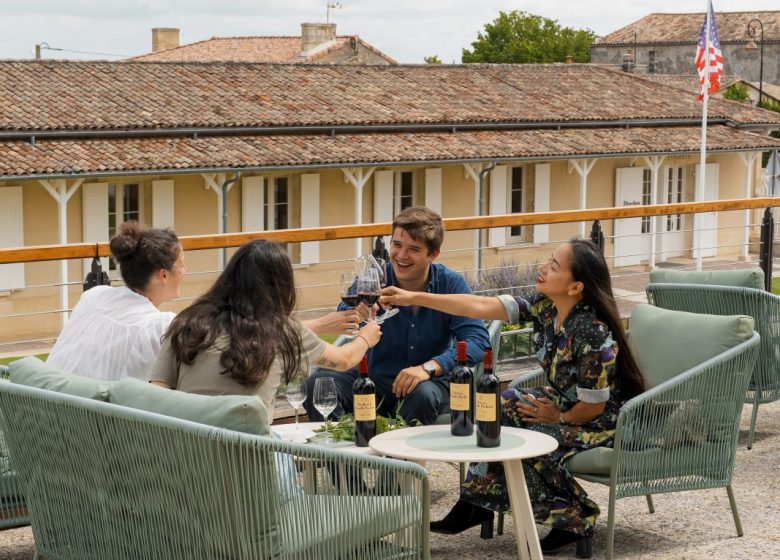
(681, 434)
(109, 481)
(730, 292)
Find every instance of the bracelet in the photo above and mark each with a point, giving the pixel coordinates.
(364, 340)
(561, 419)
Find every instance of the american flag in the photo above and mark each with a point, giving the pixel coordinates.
(714, 58)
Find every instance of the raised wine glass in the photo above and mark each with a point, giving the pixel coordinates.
(380, 266)
(368, 289)
(325, 401)
(349, 296)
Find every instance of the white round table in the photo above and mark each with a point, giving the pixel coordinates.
(434, 443)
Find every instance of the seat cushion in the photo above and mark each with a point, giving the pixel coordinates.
(232, 412)
(33, 372)
(744, 278)
(666, 343)
(593, 461)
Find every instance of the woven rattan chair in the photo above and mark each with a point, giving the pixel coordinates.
(729, 300)
(681, 434)
(13, 511)
(107, 481)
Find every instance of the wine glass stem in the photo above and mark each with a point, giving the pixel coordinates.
(295, 410)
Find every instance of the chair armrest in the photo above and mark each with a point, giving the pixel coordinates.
(533, 378)
(684, 429)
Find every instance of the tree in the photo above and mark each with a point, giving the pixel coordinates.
(520, 37)
(432, 59)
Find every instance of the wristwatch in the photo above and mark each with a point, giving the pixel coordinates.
(430, 369)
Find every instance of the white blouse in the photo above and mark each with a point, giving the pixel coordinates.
(112, 333)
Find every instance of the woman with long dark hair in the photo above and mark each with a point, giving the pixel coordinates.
(238, 337)
(582, 347)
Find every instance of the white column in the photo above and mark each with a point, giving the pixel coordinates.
(214, 181)
(358, 177)
(60, 192)
(654, 163)
(583, 168)
(472, 170)
(749, 159)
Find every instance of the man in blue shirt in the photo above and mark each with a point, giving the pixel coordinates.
(416, 353)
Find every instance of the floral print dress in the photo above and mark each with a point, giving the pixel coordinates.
(579, 359)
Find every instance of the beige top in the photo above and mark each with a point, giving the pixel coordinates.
(203, 375)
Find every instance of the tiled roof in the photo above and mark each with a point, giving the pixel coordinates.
(280, 49)
(684, 28)
(182, 154)
(686, 82)
(56, 95)
(771, 90)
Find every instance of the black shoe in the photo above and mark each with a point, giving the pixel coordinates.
(465, 516)
(558, 539)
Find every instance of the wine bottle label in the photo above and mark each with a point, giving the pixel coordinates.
(460, 394)
(365, 407)
(486, 407)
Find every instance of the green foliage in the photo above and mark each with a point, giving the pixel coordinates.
(736, 92)
(520, 37)
(432, 59)
(344, 429)
(5, 361)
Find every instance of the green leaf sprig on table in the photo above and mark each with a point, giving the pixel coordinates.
(344, 428)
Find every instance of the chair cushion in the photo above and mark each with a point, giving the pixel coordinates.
(743, 278)
(33, 372)
(593, 461)
(232, 412)
(666, 343)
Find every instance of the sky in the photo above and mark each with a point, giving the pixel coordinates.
(407, 30)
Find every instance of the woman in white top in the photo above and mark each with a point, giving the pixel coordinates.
(116, 332)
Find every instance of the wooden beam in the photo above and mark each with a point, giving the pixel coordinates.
(218, 241)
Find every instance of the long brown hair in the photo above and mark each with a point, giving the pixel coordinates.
(250, 303)
(589, 267)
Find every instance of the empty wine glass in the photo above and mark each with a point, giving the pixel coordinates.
(368, 289)
(325, 401)
(295, 393)
(380, 266)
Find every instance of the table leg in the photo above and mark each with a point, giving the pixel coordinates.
(520, 503)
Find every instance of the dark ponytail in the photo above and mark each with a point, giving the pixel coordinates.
(589, 267)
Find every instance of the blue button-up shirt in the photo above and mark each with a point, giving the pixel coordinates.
(412, 338)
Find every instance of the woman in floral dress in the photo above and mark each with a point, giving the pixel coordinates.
(590, 371)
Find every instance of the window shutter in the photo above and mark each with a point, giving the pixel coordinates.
(542, 200)
(252, 204)
(433, 189)
(497, 204)
(11, 235)
(383, 198)
(310, 215)
(94, 207)
(162, 204)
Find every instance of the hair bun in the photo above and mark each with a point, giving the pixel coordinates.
(126, 240)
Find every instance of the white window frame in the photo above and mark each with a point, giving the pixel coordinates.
(675, 174)
(269, 201)
(522, 235)
(397, 185)
(647, 193)
(119, 210)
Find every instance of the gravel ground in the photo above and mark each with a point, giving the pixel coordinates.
(688, 525)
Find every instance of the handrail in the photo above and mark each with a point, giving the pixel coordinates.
(218, 241)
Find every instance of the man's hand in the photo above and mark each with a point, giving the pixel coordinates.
(407, 380)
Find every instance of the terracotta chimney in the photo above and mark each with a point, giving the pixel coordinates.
(568, 59)
(315, 34)
(164, 38)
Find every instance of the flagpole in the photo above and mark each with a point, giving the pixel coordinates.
(697, 218)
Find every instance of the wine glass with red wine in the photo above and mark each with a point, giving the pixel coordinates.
(381, 267)
(368, 289)
(349, 296)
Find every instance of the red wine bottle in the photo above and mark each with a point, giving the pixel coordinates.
(461, 395)
(488, 405)
(364, 405)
